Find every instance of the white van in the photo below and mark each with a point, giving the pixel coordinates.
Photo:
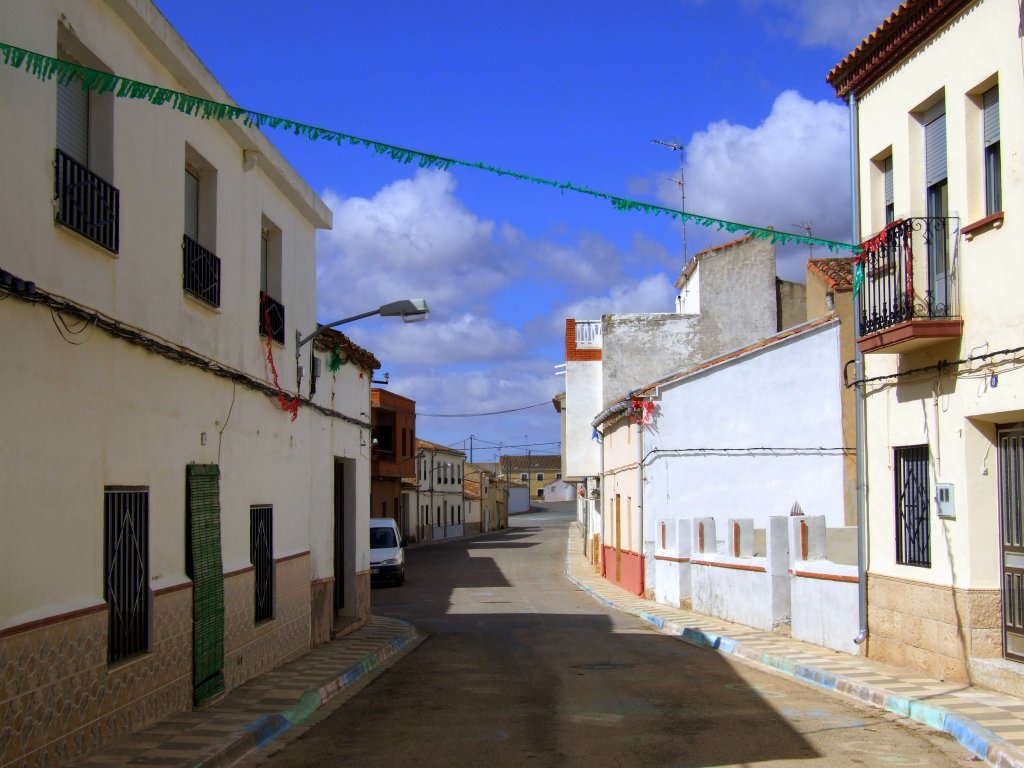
(387, 552)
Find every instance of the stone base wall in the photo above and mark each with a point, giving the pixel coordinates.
(932, 629)
(363, 597)
(59, 699)
(251, 649)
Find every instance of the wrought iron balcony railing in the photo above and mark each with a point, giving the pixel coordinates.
(86, 203)
(201, 270)
(271, 318)
(908, 274)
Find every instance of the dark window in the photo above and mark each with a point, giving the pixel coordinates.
(913, 533)
(890, 205)
(200, 266)
(261, 554)
(126, 572)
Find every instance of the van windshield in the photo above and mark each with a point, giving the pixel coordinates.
(381, 538)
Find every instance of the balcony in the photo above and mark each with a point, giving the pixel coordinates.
(271, 317)
(86, 203)
(588, 334)
(909, 295)
(200, 272)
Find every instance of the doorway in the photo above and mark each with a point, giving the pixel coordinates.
(1011, 517)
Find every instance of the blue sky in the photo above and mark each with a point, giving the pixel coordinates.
(568, 91)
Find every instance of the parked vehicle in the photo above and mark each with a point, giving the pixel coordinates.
(387, 552)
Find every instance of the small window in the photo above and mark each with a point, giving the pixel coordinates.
(993, 172)
(126, 570)
(540, 475)
(261, 554)
(524, 476)
(913, 531)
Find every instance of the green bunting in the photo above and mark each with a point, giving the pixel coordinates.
(48, 68)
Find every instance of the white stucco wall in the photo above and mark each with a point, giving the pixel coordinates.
(102, 412)
(582, 404)
(786, 395)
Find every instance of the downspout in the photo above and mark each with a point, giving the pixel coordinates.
(858, 364)
(643, 507)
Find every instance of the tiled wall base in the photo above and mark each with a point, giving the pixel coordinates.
(363, 597)
(251, 649)
(321, 610)
(933, 630)
(59, 699)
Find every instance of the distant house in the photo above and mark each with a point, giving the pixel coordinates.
(533, 470)
(440, 511)
(393, 453)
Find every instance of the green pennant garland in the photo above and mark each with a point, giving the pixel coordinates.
(48, 68)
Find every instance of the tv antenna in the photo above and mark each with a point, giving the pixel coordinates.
(807, 227)
(681, 181)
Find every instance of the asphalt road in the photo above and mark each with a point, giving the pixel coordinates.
(521, 668)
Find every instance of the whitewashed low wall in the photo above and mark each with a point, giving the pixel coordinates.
(672, 561)
(734, 585)
(794, 582)
(825, 594)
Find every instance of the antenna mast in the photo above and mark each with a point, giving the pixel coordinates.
(677, 147)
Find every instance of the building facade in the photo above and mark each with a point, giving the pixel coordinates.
(440, 472)
(181, 512)
(938, 118)
(394, 455)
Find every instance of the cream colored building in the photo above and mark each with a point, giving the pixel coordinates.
(440, 472)
(169, 529)
(938, 99)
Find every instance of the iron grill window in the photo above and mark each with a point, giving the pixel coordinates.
(87, 203)
(271, 317)
(201, 272)
(261, 551)
(126, 571)
(913, 532)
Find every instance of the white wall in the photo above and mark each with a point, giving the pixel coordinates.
(783, 396)
(582, 404)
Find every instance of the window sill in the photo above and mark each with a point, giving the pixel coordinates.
(995, 221)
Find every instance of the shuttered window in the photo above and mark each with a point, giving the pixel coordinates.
(73, 120)
(192, 205)
(993, 171)
(935, 145)
(890, 206)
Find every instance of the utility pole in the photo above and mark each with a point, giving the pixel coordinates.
(677, 147)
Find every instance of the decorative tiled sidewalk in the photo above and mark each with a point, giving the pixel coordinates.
(263, 709)
(988, 724)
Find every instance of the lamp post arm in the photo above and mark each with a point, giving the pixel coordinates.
(300, 342)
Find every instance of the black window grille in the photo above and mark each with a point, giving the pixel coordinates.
(261, 551)
(201, 272)
(87, 203)
(126, 577)
(271, 317)
(913, 528)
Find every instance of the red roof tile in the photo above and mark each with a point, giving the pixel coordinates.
(836, 272)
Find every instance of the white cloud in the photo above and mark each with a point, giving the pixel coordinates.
(655, 293)
(412, 239)
(826, 23)
(466, 338)
(790, 169)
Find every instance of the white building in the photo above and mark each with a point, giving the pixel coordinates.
(440, 472)
(171, 529)
(937, 95)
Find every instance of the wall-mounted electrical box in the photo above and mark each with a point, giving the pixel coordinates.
(944, 501)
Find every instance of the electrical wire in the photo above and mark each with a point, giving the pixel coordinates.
(487, 413)
(65, 330)
(938, 367)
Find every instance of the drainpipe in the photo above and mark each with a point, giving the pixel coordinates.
(858, 366)
(643, 507)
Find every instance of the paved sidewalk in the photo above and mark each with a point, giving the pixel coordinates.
(263, 709)
(989, 725)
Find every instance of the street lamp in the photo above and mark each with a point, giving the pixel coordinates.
(410, 310)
